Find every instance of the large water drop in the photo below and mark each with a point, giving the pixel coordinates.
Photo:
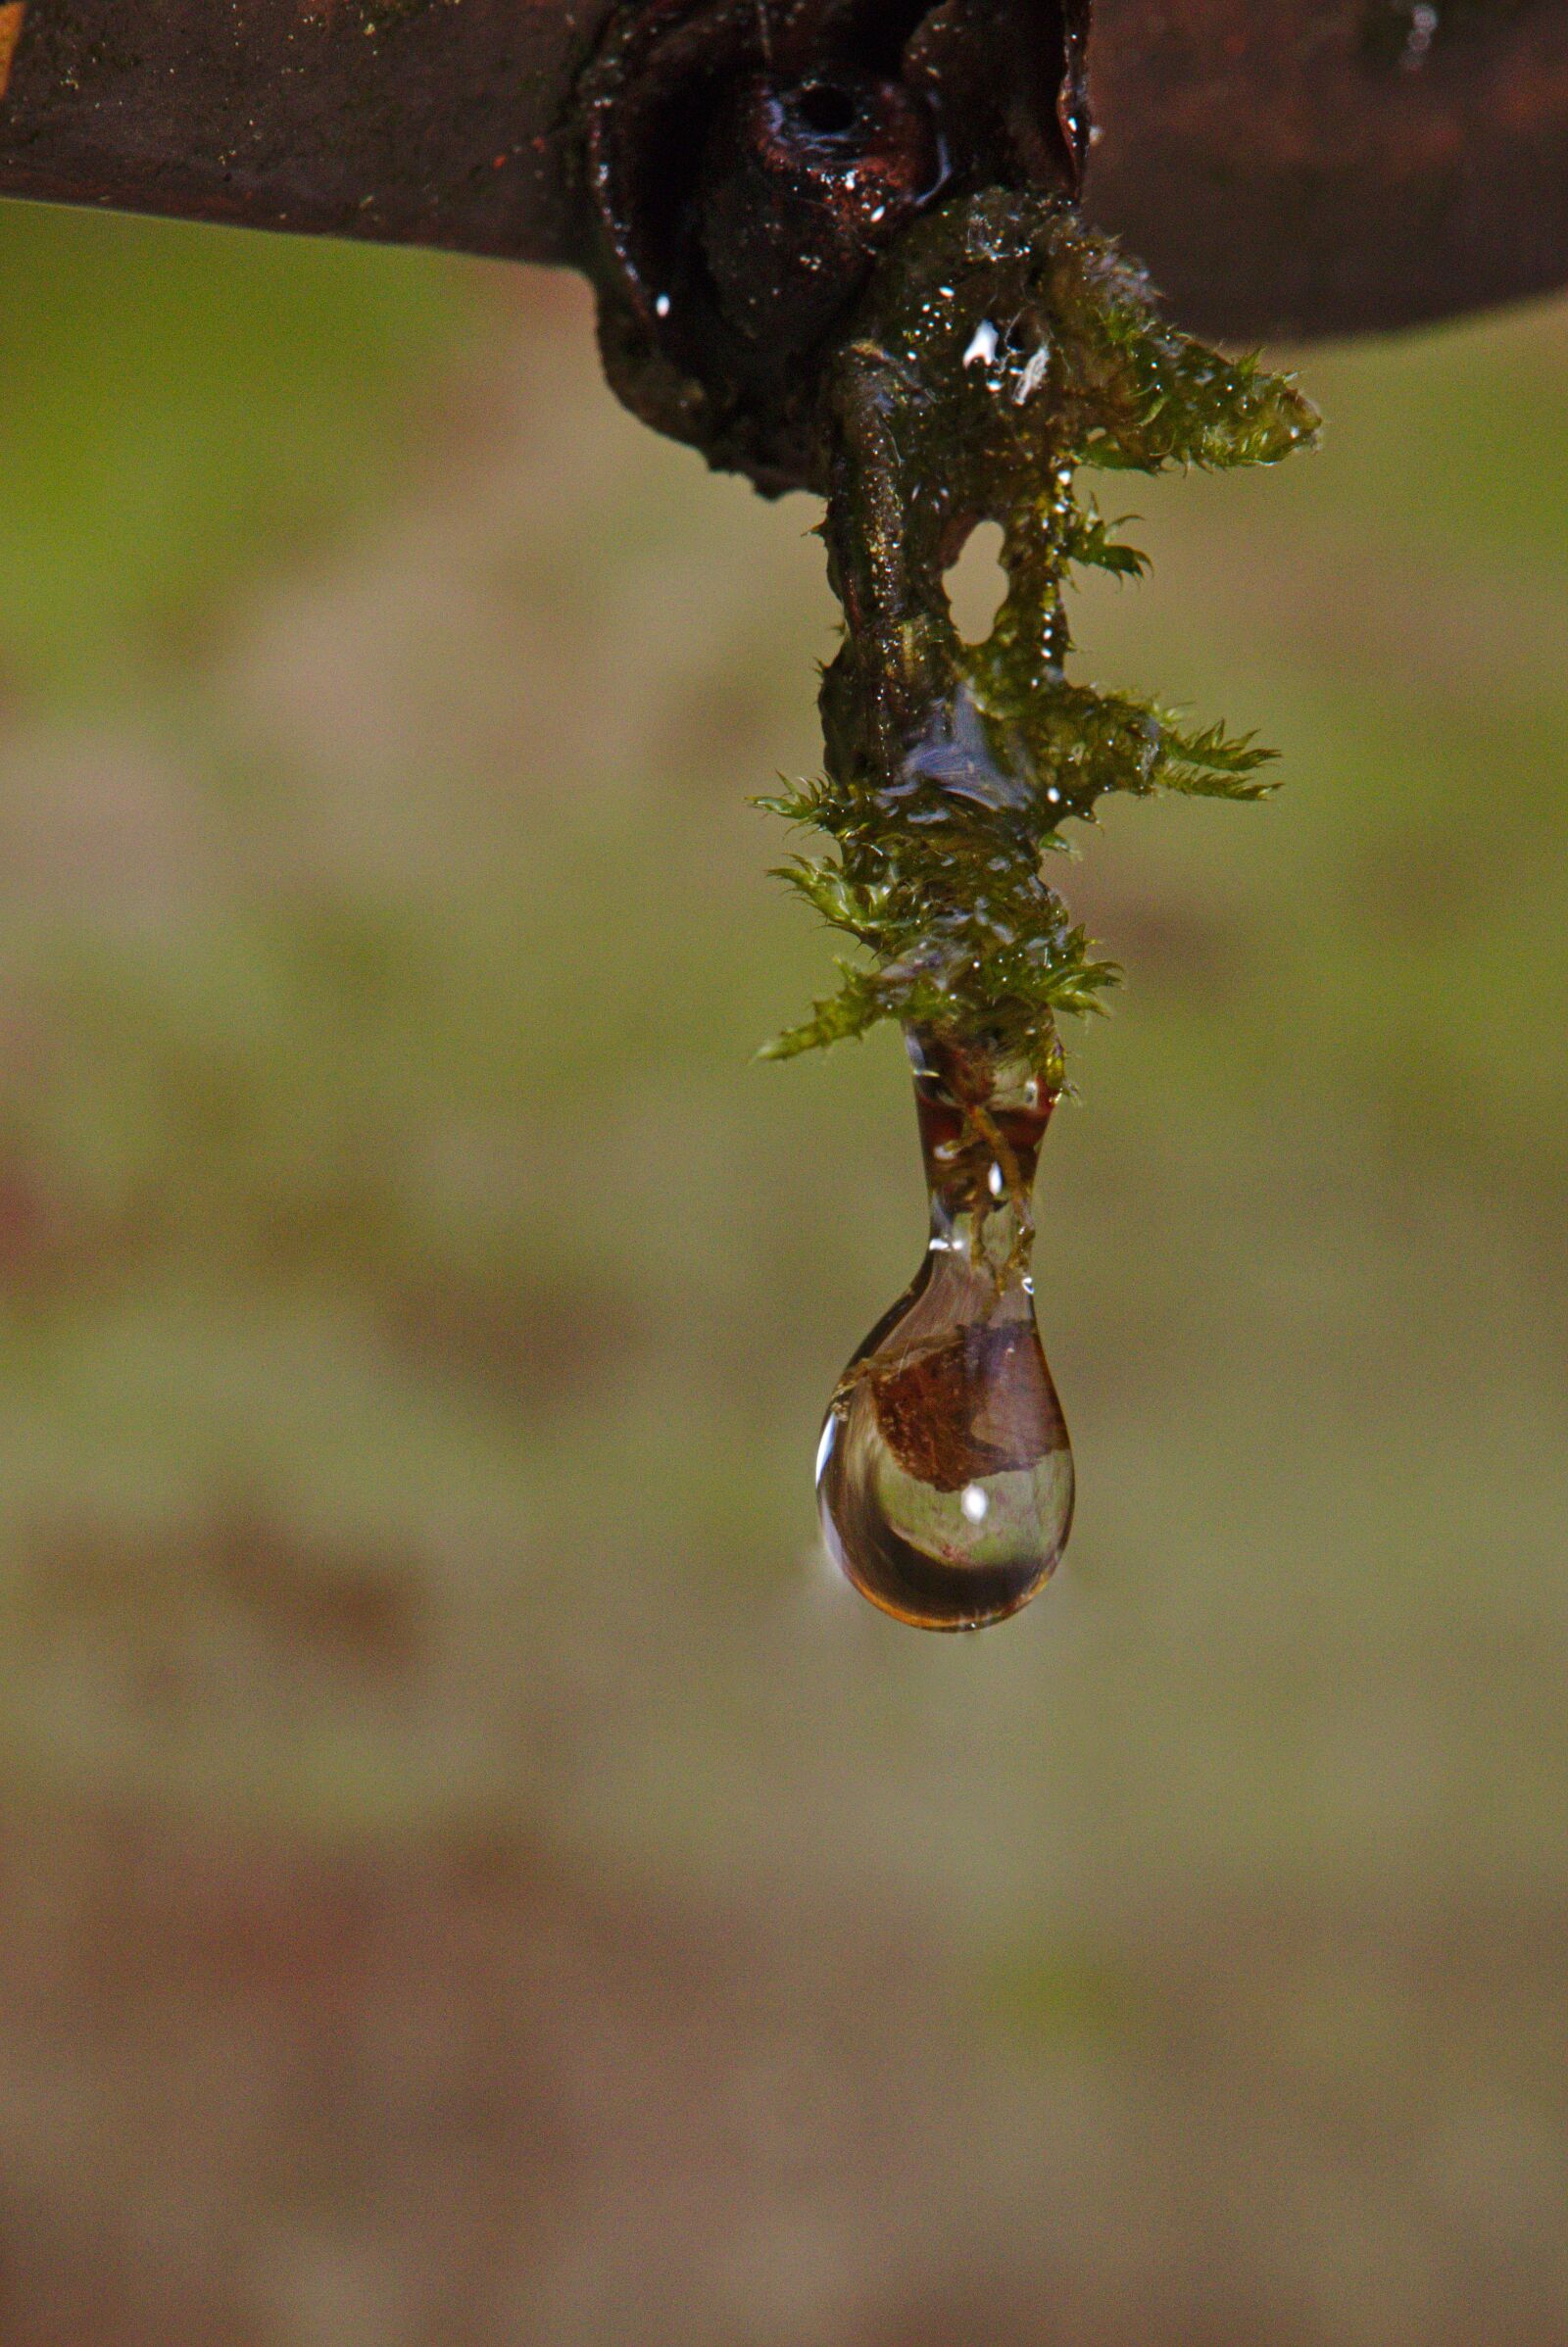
(944, 1474)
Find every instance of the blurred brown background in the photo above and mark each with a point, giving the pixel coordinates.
(468, 1879)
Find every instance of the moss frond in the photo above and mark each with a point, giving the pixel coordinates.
(1001, 349)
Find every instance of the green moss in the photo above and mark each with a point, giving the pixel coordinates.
(1001, 348)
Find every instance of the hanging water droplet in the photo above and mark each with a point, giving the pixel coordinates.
(944, 1474)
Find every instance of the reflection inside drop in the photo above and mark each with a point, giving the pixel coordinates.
(944, 1474)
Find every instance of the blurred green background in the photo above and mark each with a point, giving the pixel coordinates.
(467, 1874)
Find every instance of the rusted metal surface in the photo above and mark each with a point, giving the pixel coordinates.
(746, 171)
(416, 121)
(1297, 165)
(1290, 168)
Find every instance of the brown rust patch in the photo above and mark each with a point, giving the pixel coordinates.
(11, 16)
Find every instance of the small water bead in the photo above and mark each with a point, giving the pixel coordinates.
(945, 1478)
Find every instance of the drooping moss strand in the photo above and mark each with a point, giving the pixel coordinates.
(1000, 348)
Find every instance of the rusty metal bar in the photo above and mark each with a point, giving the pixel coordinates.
(1289, 168)
(413, 121)
(1285, 166)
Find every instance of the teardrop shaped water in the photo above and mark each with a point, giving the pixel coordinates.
(945, 1477)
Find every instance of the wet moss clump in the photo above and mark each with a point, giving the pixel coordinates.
(1003, 347)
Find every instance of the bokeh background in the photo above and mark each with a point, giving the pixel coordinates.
(467, 1877)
